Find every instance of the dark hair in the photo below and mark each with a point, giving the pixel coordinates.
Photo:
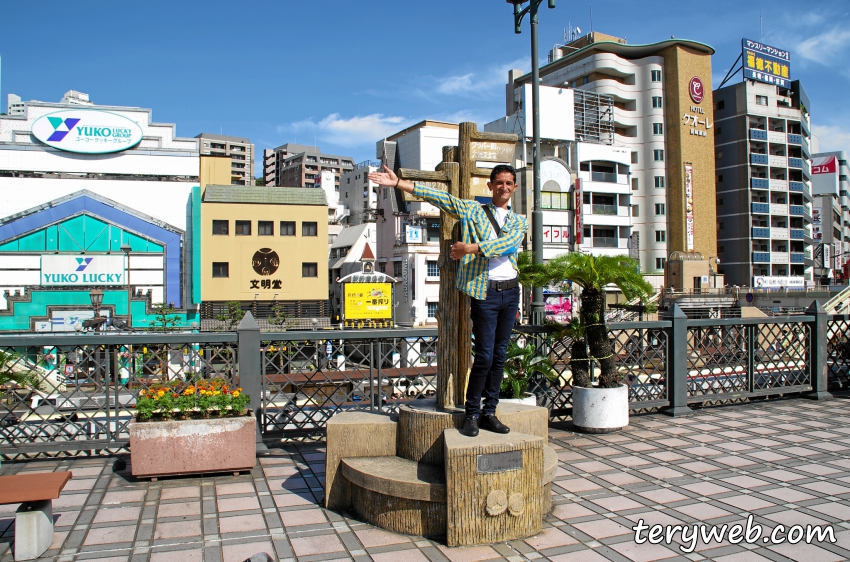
(500, 169)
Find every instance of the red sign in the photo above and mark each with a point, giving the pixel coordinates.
(696, 90)
(577, 221)
(825, 165)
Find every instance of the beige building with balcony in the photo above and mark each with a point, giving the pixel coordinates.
(238, 149)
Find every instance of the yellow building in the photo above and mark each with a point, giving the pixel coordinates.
(259, 245)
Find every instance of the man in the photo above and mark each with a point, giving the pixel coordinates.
(487, 273)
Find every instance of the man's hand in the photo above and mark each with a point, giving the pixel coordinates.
(387, 178)
(460, 249)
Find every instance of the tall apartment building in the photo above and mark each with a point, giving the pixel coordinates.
(764, 198)
(16, 107)
(239, 149)
(296, 165)
(831, 217)
(358, 194)
(669, 172)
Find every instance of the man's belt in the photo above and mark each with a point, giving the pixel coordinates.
(504, 285)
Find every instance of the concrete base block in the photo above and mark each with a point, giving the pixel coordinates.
(494, 487)
(351, 435)
(33, 529)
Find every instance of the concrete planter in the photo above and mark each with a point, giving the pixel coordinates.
(169, 448)
(529, 400)
(600, 410)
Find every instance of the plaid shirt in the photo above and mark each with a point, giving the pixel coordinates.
(473, 274)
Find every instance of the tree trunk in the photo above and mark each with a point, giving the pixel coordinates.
(596, 331)
(579, 364)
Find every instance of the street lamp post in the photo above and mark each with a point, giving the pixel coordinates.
(538, 308)
(127, 249)
(96, 298)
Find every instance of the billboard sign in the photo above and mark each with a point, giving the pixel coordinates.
(368, 301)
(689, 207)
(413, 234)
(82, 270)
(695, 88)
(767, 64)
(577, 229)
(825, 175)
(775, 282)
(87, 131)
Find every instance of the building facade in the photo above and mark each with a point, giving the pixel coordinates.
(762, 138)
(238, 149)
(358, 194)
(661, 114)
(831, 217)
(296, 165)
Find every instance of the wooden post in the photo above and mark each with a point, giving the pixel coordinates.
(461, 176)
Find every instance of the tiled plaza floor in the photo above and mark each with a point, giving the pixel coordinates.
(784, 462)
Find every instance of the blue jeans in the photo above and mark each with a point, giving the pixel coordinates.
(492, 322)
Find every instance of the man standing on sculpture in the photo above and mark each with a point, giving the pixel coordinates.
(491, 235)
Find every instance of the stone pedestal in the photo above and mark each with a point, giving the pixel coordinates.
(33, 529)
(494, 487)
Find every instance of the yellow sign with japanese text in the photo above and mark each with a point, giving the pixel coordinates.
(368, 301)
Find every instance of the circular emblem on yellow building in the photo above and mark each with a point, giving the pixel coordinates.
(265, 261)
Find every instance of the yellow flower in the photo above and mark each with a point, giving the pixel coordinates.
(235, 393)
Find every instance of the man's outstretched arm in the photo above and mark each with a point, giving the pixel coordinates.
(442, 199)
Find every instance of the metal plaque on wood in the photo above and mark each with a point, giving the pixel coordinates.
(442, 186)
(491, 151)
(499, 462)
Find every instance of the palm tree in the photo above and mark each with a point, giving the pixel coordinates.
(592, 274)
(522, 364)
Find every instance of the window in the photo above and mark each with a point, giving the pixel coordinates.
(656, 102)
(721, 249)
(720, 225)
(719, 131)
(659, 209)
(720, 178)
(221, 269)
(433, 268)
(658, 155)
(657, 128)
(265, 228)
(635, 184)
(720, 105)
(635, 210)
(659, 182)
(634, 157)
(656, 76)
(385, 190)
(243, 228)
(432, 309)
(720, 202)
(659, 263)
(221, 228)
(382, 267)
(309, 229)
(397, 269)
(660, 235)
(761, 100)
(287, 228)
(309, 269)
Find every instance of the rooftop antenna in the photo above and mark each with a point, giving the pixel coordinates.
(760, 27)
(591, 19)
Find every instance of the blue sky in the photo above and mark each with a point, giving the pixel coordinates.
(343, 74)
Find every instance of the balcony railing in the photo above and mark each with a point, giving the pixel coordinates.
(778, 233)
(760, 183)
(778, 185)
(779, 257)
(797, 210)
(606, 177)
(798, 258)
(603, 209)
(759, 159)
(761, 257)
(795, 162)
(761, 232)
(796, 186)
(780, 209)
(777, 137)
(777, 161)
(758, 134)
(599, 242)
(795, 139)
(798, 234)
(761, 208)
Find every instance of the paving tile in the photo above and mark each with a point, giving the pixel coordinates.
(702, 451)
(802, 552)
(698, 467)
(296, 517)
(818, 469)
(734, 461)
(237, 552)
(748, 556)
(468, 553)
(827, 488)
(371, 538)
(188, 555)
(792, 517)
(110, 535)
(706, 488)
(180, 493)
(290, 500)
(767, 456)
(781, 475)
(234, 488)
(789, 495)
(746, 503)
(702, 511)
(832, 509)
(621, 478)
(578, 485)
(661, 473)
(238, 504)
(663, 495)
(602, 529)
(181, 509)
(177, 529)
(643, 552)
(591, 467)
(617, 503)
(550, 538)
(567, 511)
(129, 496)
(408, 555)
(117, 514)
(631, 461)
(242, 523)
(320, 544)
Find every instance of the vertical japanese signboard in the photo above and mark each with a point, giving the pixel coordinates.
(767, 64)
(577, 221)
(689, 207)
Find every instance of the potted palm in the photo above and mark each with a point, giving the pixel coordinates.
(522, 365)
(604, 406)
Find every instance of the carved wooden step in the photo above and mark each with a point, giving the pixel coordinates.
(397, 477)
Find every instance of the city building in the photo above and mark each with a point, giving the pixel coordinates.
(260, 246)
(76, 185)
(654, 101)
(408, 230)
(239, 149)
(831, 217)
(296, 165)
(14, 105)
(764, 191)
(348, 252)
(358, 194)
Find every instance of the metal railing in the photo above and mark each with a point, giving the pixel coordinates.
(599, 209)
(81, 389)
(599, 242)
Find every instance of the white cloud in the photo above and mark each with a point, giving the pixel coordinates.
(352, 131)
(479, 84)
(831, 138)
(825, 46)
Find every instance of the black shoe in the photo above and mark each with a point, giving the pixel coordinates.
(470, 427)
(493, 424)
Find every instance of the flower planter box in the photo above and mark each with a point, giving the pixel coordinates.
(170, 448)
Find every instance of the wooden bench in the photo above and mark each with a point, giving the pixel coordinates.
(34, 518)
